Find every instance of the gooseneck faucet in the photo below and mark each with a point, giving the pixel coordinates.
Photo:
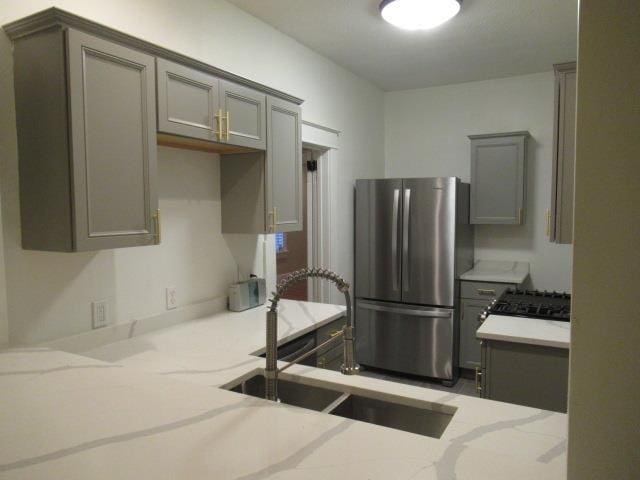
(349, 365)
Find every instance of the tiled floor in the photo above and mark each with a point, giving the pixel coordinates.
(463, 386)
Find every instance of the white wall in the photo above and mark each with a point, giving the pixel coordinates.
(604, 385)
(49, 294)
(426, 135)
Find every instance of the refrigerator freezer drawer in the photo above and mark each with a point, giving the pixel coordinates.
(405, 338)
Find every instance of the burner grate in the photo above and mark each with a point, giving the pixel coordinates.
(534, 303)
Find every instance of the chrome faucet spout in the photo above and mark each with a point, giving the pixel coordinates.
(349, 365)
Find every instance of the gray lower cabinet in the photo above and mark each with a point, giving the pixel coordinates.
(198, 105)
(330, 357)
(475, 297)
(86, 123)
(498, 178)
(262, 191)
(560, 220)
(187, 102)
(530, 375)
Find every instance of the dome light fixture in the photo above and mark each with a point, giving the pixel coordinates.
(418, 14)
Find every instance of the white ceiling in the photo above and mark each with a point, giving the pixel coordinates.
(487, 39)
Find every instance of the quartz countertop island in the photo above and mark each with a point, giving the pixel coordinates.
(149, 407)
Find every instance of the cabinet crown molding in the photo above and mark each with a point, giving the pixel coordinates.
(57, 18)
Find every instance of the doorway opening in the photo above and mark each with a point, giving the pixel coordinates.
(297, 250)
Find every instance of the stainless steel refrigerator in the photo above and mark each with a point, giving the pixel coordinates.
(412, 241)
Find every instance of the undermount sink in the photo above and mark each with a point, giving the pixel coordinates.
(421, 420)
(394, 415)
(291, 393)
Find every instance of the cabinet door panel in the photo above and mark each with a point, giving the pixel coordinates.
(187, 101)
(561, 222)
(284, 165)
(114, 143)
(469, 344)
(246, 116)
(497, 179)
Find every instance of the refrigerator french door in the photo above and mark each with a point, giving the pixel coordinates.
(410, 235)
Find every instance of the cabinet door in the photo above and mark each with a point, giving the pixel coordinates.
(244, 115)
(497, 178)
(561, 221)
(284, 166)
(113, 132)
(469, 344)
(187, 101)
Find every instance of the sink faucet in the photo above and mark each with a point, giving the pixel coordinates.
(349, 365)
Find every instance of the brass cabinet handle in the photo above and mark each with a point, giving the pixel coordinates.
(478, 381)
(335, 333)
(275, 218)
(270, 223)
(548, 223)
(486, 291)
(158, 227)
(227, 126)
(219, 119)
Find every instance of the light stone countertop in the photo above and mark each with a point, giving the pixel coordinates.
(497, 271)
(65, 416)
(532, 331)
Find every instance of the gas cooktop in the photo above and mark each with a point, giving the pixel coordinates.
(534, 304)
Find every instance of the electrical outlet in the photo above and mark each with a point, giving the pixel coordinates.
(172, 298)
(100, 313)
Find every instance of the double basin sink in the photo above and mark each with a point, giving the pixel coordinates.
(421, 420)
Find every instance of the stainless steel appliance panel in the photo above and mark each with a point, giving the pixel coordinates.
(378, 239)
(405, 338)
(428, 247)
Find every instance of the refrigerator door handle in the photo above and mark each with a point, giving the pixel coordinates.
(405, 239)
(394, 240)
(406, 311)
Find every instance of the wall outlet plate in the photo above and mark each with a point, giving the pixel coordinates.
(172, 298)
(100, 313)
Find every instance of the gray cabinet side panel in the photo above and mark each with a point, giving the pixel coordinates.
(246, 115)
(465, 232)
(43, 148)
(242, 184)
(114, 143)
(284, 162)
(469, 343)
(566, 159)
(528, 375)
(187, 101)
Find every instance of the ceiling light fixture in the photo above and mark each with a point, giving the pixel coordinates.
(418, 14)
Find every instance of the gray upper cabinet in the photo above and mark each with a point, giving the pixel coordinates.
(85, 111)
(198, 105)
(187, 102)
(560, 220)
(88, 134)
(284, 165)
(244, 114)
(262, 191)
(498, 178)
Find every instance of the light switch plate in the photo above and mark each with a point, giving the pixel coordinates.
(172, 298)
(100, 313)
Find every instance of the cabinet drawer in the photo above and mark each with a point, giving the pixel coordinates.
(483, 290)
